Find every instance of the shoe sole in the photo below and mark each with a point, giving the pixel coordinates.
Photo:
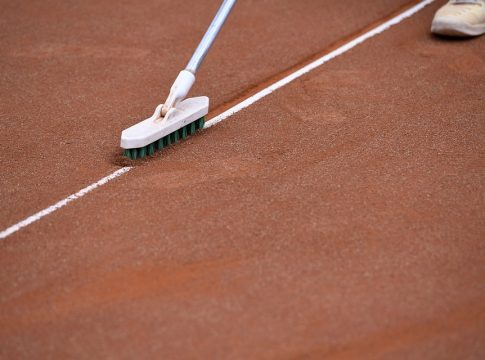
(452, 28)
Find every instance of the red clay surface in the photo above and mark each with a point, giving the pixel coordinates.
(341, 217)
(75, 75)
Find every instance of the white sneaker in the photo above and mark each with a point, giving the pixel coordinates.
(460, 18)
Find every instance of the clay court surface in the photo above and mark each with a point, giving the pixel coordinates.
(340, 217)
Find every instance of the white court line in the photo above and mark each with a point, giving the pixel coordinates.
(293, 76)
(236, 108)
(64, 202)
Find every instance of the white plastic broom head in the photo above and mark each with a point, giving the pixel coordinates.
(157, 127)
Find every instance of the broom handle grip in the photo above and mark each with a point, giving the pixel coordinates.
(209, 37)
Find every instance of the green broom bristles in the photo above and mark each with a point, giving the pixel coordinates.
(167, 140)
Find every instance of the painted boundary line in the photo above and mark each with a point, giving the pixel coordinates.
(306, 69)
(236, 108)
(64, 202)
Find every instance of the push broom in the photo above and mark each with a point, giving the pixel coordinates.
(177, 117)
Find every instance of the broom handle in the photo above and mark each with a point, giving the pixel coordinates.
(209, 37)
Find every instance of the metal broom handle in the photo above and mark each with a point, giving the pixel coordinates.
(210, 35)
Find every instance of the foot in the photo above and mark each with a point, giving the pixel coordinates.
(460, 18)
